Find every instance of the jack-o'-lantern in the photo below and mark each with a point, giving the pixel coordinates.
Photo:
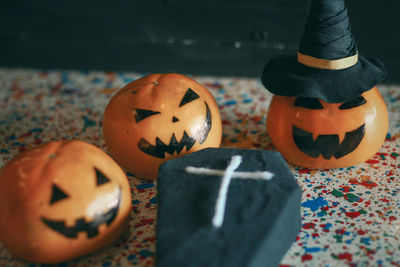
(159, 117)
(313, 133)
(326, 112)
(62, 200)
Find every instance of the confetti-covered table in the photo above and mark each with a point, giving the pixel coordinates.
(350, 216)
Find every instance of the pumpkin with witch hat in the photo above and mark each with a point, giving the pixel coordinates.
(326, 111)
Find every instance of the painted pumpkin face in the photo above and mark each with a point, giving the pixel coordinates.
(159, 117)
(62, 200)
(312, 133)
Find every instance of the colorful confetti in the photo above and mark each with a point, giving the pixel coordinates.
(350, 216)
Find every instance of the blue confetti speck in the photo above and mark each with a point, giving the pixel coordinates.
(153, 200)
(145, 253)
(96, 80)
(312, 249)
(315, 204)
(230, 102)
(131, 257)
(145, 186)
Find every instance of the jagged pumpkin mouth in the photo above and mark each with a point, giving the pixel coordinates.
(327, 145)
(83, 225)
(159, 149)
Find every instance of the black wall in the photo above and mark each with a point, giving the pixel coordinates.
(216, 37)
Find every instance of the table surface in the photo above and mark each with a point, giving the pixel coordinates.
(350, 216)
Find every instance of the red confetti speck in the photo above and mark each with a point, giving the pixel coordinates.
(304, 170)
(151, 239)
(345, 256)
(144, 222)
(368, 184)
(340, 231)
(392, 218)
(361, 232)
(353, 214)
(345, 189)
(214, 85)
(26, 135)
(256, 119)
(256, 145)
(37, 141)
(353, 181)
(382, 154)
(368, 251)
(56, 88)
(372, 161)
(306, 257)
(325, 229)
(384, 200)
(308, 226)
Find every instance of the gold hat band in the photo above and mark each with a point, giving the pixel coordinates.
(336, 64)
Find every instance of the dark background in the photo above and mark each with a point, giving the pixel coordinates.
(215, 37)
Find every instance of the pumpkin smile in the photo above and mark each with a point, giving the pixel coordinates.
(327, 145)
(158, 117)
(91, 227)
(160, 148)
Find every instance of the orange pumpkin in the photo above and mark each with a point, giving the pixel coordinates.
(315, 134)
(62, 200)
(159, 117)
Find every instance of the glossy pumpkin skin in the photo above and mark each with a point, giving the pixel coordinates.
(159, 117)
(290, 127)
(62, 200)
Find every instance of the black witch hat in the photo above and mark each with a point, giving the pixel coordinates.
(327, 65)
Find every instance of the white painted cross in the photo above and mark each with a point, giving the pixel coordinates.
(228, 174)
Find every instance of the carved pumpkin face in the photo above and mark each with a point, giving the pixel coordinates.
(312, 133)
(61, 200)
(159, 117)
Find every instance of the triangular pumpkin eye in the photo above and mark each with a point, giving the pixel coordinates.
(308, 102)
(57, 194)
(144, 113)
(100, 178)
(189, 96)
(352, 103)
